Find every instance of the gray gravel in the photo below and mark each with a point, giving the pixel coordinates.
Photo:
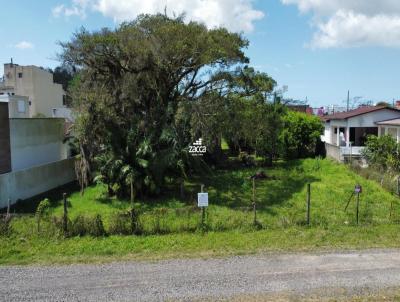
(196, 278)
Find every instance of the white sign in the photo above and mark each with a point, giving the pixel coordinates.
(197, 148)
(202, 199)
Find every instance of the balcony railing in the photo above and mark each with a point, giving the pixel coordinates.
(339, 153)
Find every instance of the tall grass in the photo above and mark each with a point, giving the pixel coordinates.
(280, 200)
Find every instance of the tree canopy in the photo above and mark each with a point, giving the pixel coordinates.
(132, 83)
(146, 90)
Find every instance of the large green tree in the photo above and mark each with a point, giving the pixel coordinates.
(133, 82)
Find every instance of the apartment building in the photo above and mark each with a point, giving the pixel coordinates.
(35, 83)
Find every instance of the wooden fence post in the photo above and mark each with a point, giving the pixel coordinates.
(308, 203)
(254, 202)
(8, 207)
(65, 216)
(358, 205)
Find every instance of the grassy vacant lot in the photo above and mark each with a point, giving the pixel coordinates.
(170, 225)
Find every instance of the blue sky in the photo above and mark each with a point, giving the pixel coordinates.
(318, 50)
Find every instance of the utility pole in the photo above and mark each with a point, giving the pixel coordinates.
(348, 99)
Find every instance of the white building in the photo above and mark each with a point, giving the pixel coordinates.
(391, 127)
(18, 106)
(36, 84)
(345, 132)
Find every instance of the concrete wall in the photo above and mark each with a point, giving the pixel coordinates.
(5, 154)
(333, 152)
(36, 142)
(38, 85)
(27, 183)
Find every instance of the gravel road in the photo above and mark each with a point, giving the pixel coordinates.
(209, 278)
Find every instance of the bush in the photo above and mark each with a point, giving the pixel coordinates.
(83, 225)
(246, 159)
(95, 226)
(77, 227)
(120, 224)
(41, 211)
(382, 153)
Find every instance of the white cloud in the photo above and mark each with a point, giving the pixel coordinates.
(328, 7)
(78, 8)
(352, 23)
(236, 15)
(24, 45)
(347, 28)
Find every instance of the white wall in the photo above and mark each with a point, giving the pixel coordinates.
(36, 142)
(14, 105)
(47, 95)
(27, 183)
(326, 137)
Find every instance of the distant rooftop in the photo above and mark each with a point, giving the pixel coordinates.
(355, 112)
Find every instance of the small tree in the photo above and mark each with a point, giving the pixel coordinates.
(300, 134)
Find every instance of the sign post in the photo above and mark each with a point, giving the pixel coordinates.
(358, 190)
(202, 202)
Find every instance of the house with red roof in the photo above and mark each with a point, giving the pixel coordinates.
(345, 133)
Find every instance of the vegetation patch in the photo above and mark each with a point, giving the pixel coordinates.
(100, 228)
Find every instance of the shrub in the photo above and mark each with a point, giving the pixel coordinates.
(83, 225)
(77, 226)
(382, 153)
(95, 226)
(246, 159)
(120, 224)
(41, 211)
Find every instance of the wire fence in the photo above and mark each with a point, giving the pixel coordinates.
(163, 220)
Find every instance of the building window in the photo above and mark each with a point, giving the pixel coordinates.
(64, 100)
(20, 75)
(21, 106)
